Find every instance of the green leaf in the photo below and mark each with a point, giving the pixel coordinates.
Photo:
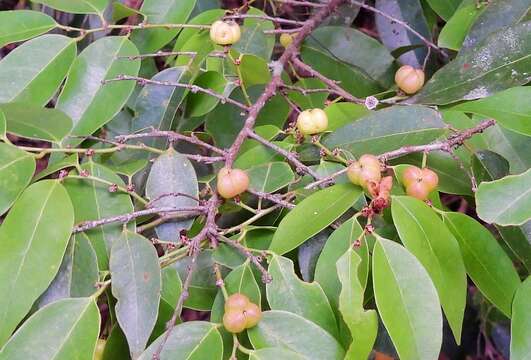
(18, 25)
(36, 69)
(136, 284)
(488, 165)
(425, 236)
(270, 177)
(455, 30)
(510, 145)
(253, 40)
(199, 103)
(3, 126)
(444, 8)
(309, 100)
(517, 239)
(388, 129)
(407, 301)
(16, 169)
(161, 12)
(66, 162)
(34, 122)
(64, 330)
(505, 201)
(173, 174)
(509, 108)
(291, 331)
(274, 353)
(486, 263)
(363, 325)
(287, 292)
(76, 6)
(34, 236)
(90, 103)
(92, 201)
(340, 240)
(500, 61)
(204, 18)
(340, 114)
(192, 340)
(172, 286)
(520, 330)
(312, 215)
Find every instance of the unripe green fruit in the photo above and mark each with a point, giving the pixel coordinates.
(286, 39)
(232, 182)
(311, 122)
(365, 171)
(234, 321)
(252, 314)
(237, 302)
(409, 79)
(225, 32)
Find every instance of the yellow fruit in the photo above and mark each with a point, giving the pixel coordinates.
(409, 79)
(311, 122)
(365, 171)
(286, 39)
(252, 314)
(225, 32)
(236, 302)
(234, 321)
(232, 182)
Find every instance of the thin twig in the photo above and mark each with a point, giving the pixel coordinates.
(265, 17)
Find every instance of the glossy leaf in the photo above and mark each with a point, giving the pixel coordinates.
(204, 18)
(293, 332)
(274, 353)
(312, 215)
(340, 114)
(455, 30)
(496, 63)
(18, 25)
(287, 292)
(192, 340)
(35, 122)
(36, 69)
(485, 261)
(505, 201)
(172, 286)
(509, 108)
(387, 130)
(199, 104)
(66, 329)
(92, 201)
(520, 330)
(89, 102)
(76, 6)
(16, 169)
(407, 301)
(308, 253)
(270, 177)
(363, 325)
(425, 236)
(444, 8)
(172, 173)
(253, 40)
(508, 144)
(34, 237)
(136, 284)
(161, 12)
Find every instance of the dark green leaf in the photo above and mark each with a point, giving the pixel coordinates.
(16, 169)
(253, 40)
(274, 353)
(444, 8)
(172, 286)
(520, 329)
(270, 177)
(76, 6)
(18, 25)
(199, 104)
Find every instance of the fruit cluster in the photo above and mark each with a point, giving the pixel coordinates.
(232, 182)
(225, 32)
(419, 183)
(240, 313)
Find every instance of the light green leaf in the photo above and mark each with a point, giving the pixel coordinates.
(204, 18)
(34, 122)
(312, 215)
(34, 236)
(520, 329)
(172, 286)
(16, 169)
(425, 236)
(293, 332)
(388, 129)
(506, 201)
(76, 6)
(253, 40)
(455, 30)
(407, 302)
(64, 330)
(192, 340)
(18, 25)
(3, 126)
(486, 263)
(444, 8)
(172, 173)
(161, 12)
(340, 114)
(270, 177)
(36, 69)
(274, 353)
(90, 103)
(136, 285)
(363, 325)
(287, 292)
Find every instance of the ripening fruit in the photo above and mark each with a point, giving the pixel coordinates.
(237, 302)
(232, 182)
(419, 182)
(409, 79)
(311, 122)
(418, 190)
(225, 32)
(252, 314)
(286, 39)
(100, 348)
(234, 321)
(410, 175)
(364, 171)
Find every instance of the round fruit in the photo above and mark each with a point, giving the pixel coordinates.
(311, 122)
(386, 184)
(100, 348)
(365, 170)
(225, 32)
(236, 302)
(409, 79)
(234, 321)
(418, 190)
(411, 175)
(425, 176)
(286, 39)
(430, 179)
(252, 314)
(232, 182)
